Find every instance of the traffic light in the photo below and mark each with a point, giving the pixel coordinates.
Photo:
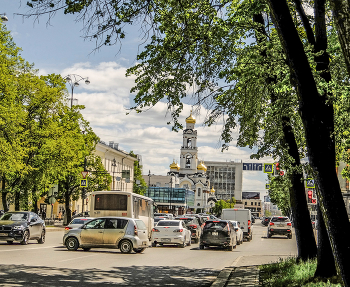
(277, 170)
(309, 196)
(314, 201)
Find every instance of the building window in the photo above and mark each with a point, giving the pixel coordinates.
(199, 192)
(251, 203)
(189, 143)
(259, 203)
(255, 202)
(245, 203)
(198, 204)
(188, 161)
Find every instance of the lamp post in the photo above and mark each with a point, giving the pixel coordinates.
(4, 18)
(73, 80)
(114, 164)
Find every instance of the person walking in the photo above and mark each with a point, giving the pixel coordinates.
(60, 216)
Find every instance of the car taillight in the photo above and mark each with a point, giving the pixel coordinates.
(178, 230)
(135, 230)
(248, 222)
(155, 230)
(67, 228)
(193, 225)
(271, 223)
(289, 224)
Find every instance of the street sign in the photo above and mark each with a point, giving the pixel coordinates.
(252, 166)
(268, 167)
(267, 186)
(310, 183)
(52, 200)
(83, 183)
(84, 174)
(125, 173)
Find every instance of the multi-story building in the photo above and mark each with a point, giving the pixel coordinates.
(255, 206)
(226, 178)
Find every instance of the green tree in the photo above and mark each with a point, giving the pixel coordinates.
(141, 187)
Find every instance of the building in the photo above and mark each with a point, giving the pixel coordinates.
(226, 178)
(254, 205)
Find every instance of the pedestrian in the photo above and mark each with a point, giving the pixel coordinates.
(74, 212)
(60, 216)
(43, 215)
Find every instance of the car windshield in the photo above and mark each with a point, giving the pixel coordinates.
(79, 220)
(213, 224)
(15, 216)
(279, 219)
(168, 223)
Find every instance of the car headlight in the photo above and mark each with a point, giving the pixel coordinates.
(19, 227)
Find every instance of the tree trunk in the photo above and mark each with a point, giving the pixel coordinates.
(68, 213)
(17, 200)
(306, 242)
(317, 118)
(341, 17)
(4, 194)
(325, 260)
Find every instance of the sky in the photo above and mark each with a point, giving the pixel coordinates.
(59, 47)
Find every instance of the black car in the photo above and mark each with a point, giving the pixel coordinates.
(22, 226)
(266, 221)
(193, 225)
(218, 233)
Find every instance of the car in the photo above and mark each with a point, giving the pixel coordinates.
(171, 232)
(82, 214)
(126, 234)
(266, 221)
(157, 219)
(193, 225)
(77, 222)
(279, 225)
(218, 233)
(166, 215)
(22, 226)
(239, 232)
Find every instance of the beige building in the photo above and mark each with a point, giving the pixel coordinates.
(255, 206)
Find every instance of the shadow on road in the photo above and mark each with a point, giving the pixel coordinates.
(21, 275)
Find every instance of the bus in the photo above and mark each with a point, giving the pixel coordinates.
(122, 204)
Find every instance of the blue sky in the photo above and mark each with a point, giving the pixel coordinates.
(59, 48)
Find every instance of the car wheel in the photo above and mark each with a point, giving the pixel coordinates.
(86, 249)
(139, 250)
(201, 246)
(72, 244)
(9, 242)
(289, 236)
(196, 240)
(154, 244)
(238, 242)
(125, 246)
(25, 238)
(41, 240)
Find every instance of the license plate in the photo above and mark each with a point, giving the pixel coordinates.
(166, 239)
(3, 234)
(281, 225)
(214, 233)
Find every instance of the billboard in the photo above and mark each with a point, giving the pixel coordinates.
(250, 195)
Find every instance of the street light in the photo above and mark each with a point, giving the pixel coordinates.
(4, 17)
(114, 164)
(73, 80)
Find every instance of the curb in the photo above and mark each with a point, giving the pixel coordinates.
(247, 276)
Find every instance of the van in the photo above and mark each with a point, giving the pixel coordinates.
(244, 218)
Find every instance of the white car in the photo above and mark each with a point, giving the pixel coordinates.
(171, 232)
(77, 222)
(239, 232)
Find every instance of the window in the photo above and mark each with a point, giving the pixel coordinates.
(259, 203)
(111, 202)
(251, 203)
(199, 192)
(189, 142)
(255, 202)
(245, 203)
(168, 223)
(95, 224)
(140, 225)
(188, 161)
(113, 223)
(198, 204)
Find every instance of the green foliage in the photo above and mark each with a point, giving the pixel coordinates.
(222, 204)
(279, 193)
(138, 188)
(288, 272)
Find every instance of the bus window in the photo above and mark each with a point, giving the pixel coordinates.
(111, 202)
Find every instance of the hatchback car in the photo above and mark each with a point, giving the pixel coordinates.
(239, 232)
(279, 225)
(77, 222)
(122, 233)
(218, 233)
(22, 226)
(193, 225)
(171, 232)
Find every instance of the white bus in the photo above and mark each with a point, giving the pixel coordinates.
(122, 204)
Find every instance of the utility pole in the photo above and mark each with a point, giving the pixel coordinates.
(83, 193)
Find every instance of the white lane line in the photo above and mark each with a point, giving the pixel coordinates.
(24, 249)
(77, 258)
(234, 263)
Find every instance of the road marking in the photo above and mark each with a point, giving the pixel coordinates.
(77, 258)
(234, 263)
(24, 249)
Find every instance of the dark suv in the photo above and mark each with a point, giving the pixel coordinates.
(279, 225)
(218, 233)
(21, 226)
(193, 225)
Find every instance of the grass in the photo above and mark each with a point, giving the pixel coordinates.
(290, 273)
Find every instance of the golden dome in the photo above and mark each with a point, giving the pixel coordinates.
(191, 119)
(212, 189)
(174, 165)
(201, 166)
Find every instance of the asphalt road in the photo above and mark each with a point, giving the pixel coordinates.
(51, 264)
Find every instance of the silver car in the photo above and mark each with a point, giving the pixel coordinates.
(123, 233)
(77, 222)
(279, 225)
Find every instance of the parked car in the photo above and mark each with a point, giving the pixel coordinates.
(22, 226)
(279, 225)
(193, 225)
(171, 232)
(218, 233)
(82, 214)
(77, 222)
(122, 233)
(239, 232)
